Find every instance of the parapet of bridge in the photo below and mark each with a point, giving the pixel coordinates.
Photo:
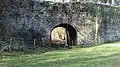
(108, 2)
(91, 23)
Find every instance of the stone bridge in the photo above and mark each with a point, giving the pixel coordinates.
(88, 23)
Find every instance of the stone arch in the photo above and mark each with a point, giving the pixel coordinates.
(63, 34)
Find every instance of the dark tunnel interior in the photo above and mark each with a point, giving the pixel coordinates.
(71, 35)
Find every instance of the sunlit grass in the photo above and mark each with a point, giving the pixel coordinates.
(107, 55)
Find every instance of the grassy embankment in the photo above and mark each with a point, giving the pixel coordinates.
(107, 55)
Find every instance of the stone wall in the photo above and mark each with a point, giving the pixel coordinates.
(108, 2)
(94, 23)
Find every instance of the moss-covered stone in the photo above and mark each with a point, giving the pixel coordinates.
(94, 23)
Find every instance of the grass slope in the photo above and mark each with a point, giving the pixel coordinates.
(107, 55)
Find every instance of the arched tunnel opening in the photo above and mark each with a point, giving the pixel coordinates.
(64, 35)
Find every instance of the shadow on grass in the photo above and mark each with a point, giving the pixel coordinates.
(19, 53)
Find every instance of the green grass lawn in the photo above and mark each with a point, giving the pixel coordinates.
(107, 55)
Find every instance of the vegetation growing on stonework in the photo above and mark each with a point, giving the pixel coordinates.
(19, 31)
(40, 33)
